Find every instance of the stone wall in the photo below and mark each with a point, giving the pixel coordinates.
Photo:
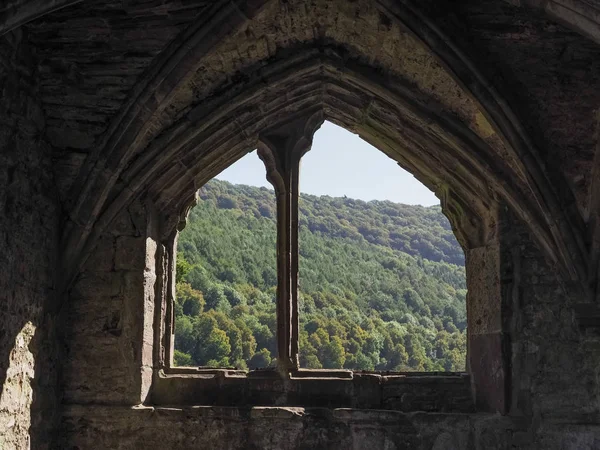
(554, 364)
(283, 428)
(28, 247)
(549, 378)
(109, 337)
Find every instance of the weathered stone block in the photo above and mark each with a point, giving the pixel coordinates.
(102, 258)
(484, 295)
(488, 371)
(130, 253)
(97, 285)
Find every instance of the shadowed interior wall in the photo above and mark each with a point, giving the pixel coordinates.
(29, 219)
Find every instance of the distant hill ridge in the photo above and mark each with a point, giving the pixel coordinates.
(414, 229)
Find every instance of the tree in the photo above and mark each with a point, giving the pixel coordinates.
(185, 338)
(260, 359)
(191, 300)
(226, 202)
(334, 355)
(248, 341)
(233, 297)
(212, 343)
(413, 300)
(198, 278)
(182, 268)
(265, 210)
(215, 298)
(181, 359)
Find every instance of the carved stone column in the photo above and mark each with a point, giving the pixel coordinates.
(281, 151)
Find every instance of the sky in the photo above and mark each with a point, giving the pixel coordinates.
(340, 163)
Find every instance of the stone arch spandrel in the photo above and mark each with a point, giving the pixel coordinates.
(100, 170)
(18, 13)
(579, 15)
(549, 76)
(369, 33)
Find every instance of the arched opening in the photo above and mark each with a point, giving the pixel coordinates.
(382, 282)
(226, 276)
(281, 149)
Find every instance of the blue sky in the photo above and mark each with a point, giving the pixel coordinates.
(340, 163)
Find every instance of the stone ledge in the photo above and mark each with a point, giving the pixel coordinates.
(369, 391)
(117, 412)
(281, 428)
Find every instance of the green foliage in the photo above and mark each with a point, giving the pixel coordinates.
(382, 285)
(182, 359)
(183, 269)
(212, 343)
(260, 359)
(226, 202)
(191, 301)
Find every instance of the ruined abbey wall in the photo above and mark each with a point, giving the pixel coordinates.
(113, 113)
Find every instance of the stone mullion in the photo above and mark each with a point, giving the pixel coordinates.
(284, 281)
(281, 152)
(295, 256)
(277, 163)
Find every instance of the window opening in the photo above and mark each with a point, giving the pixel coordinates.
(226, 277)
(375, 285)
(382, 283)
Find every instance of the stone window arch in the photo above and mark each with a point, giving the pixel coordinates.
(281, 150)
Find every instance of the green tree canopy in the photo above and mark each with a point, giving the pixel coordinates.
(382, 285)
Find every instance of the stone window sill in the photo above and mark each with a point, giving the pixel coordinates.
(412, 391)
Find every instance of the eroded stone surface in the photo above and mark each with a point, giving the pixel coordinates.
(29, 216)
(285, 428)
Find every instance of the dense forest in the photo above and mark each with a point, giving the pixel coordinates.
(382, 285)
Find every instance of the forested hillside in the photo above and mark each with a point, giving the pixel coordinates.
(382, 285)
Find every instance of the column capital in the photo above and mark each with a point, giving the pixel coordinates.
(292, 138)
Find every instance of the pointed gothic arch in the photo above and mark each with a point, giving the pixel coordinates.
(457, 123)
